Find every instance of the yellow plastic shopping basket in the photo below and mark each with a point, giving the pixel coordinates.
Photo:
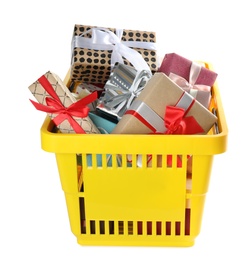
(114, 201)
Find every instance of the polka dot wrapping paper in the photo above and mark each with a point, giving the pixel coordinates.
(94, 65)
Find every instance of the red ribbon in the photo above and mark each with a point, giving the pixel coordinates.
(55, 106)
(141, 119)
(176, 123)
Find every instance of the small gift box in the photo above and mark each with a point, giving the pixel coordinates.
(164, 107)
(95, 50)
(56, 99)
(193, 77)
(78, 87)
(105, 126)
(82, 90)
(122, 87)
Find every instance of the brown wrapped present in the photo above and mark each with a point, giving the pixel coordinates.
(55, 98)
(95, 51)
(153, 111)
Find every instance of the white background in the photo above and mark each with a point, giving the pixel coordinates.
(35, 38)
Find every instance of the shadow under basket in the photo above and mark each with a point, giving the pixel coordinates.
(115, 197)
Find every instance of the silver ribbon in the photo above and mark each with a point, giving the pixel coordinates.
(104, 39)
(149, 115)
(119, 103)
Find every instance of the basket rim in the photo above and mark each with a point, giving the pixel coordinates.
(208, 144)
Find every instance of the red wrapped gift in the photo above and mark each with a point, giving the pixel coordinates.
(193, 77)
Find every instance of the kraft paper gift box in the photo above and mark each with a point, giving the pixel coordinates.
(95, 50)
(192, 76)
(54, 98)
(147, 112)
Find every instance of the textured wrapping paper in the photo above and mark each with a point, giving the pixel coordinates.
(95, 50)
(191, 76)
(50, 88)
(160, 92)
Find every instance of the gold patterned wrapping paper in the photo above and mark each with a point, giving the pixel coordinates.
(66, 98)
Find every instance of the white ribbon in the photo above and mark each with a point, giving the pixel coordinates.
(104, 39)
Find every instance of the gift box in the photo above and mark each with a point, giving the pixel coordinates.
(192, 76)
(95, 51)
(165, 108)
(123, 86)
(105, 126)
(79, 88)
(69, 115)
(82, 90)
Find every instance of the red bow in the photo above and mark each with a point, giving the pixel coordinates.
(55, 106)
(176, 123)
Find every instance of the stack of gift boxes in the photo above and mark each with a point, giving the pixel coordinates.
(118, 86)
(115, 76)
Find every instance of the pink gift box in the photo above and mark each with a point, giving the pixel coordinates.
(194, 78)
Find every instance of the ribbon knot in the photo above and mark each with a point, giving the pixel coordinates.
(194, 73)
(176, 123)
(72, 110)
(120, 102)
(175, 127)
(55, 106)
